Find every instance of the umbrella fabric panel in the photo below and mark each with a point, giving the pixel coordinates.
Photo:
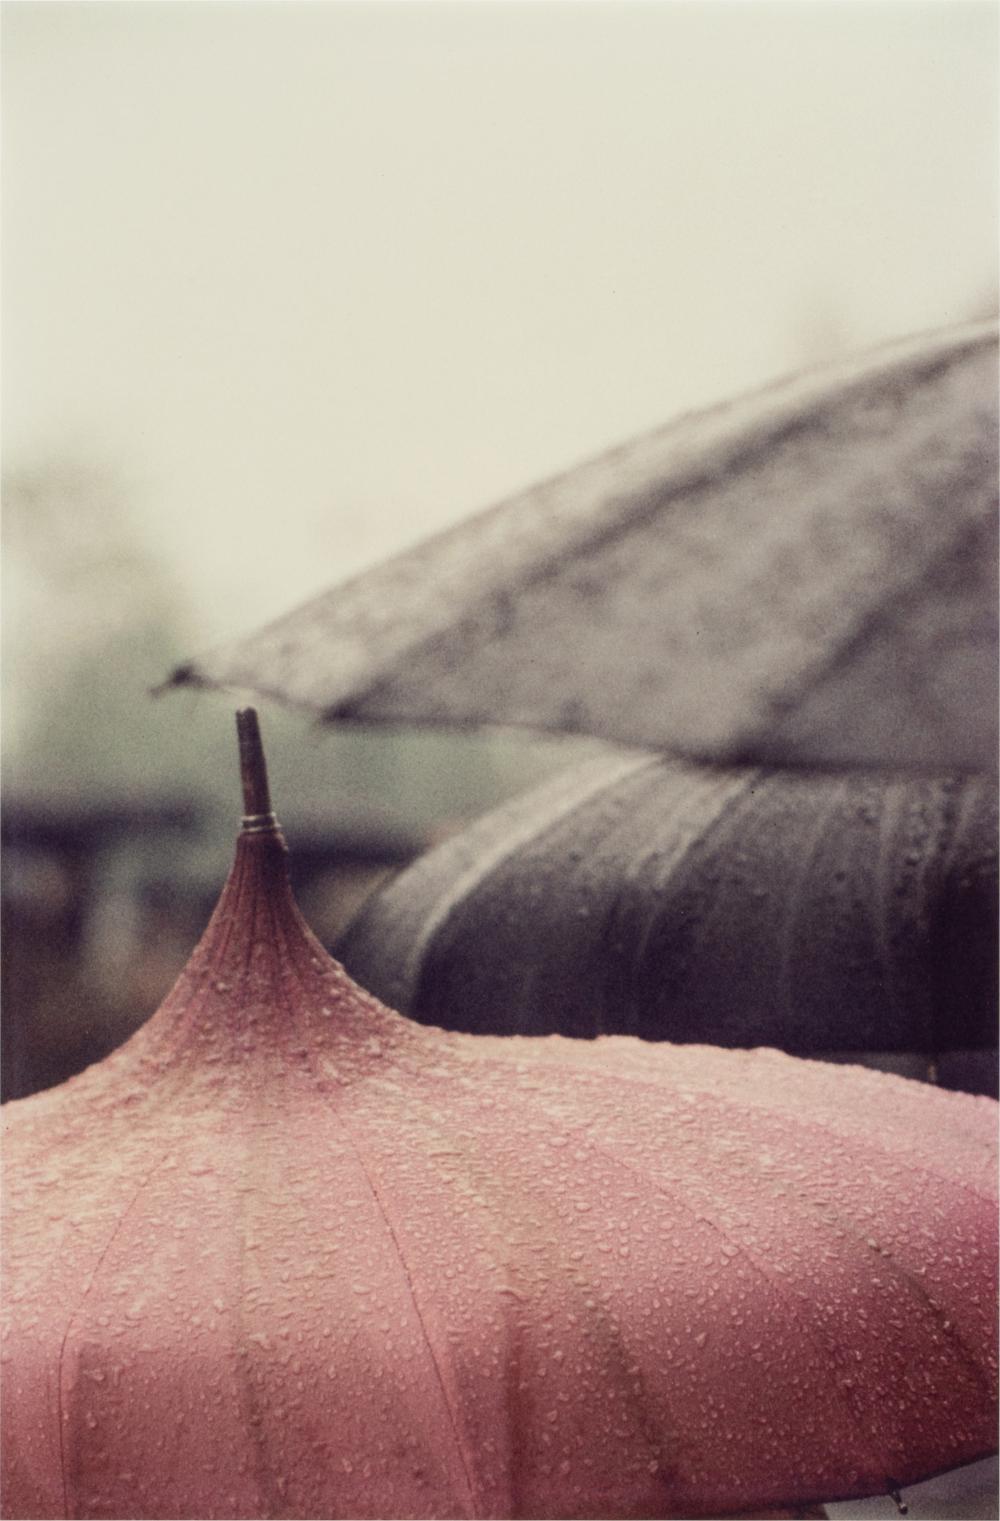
(249, 1328)
(815, 913)
(720, 1261)
(806, 657)
(286, 1253)
(917, 684)
(804, 576)
(567, 1326)
(164, 1191)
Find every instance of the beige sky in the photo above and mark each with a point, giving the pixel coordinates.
(321, 277)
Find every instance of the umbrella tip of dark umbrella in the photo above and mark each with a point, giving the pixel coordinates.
(253, 772)
(181, 676)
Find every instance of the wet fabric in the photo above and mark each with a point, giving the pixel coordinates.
(287, 1253)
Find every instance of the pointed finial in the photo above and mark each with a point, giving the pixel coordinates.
(257, 814)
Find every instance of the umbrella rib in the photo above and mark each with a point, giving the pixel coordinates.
(900, 1267)
(188, 1029)
(644, 503)
(380, 1204)
(702, 836)
(580, 1071)
(896, 806)
(278, 931)
(609, 774)
(675, 1192)
(622, 510)
(782, 1292)
(856, 637)
(276, 935)
(792, 901)
(116, 1230)
(903, 1271)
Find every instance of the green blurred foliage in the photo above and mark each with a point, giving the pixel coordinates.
(93, 622)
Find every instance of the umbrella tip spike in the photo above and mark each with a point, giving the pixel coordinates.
(899, 1502)
(253, 772)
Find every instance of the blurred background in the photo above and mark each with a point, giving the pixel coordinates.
(288, 286)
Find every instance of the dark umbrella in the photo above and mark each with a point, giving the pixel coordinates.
(807, 575)
(844, 915)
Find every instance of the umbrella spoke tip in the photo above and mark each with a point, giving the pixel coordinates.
(186, 675)
(189, 674)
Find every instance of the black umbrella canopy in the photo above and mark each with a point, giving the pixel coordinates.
(804, 576)
(847, 916)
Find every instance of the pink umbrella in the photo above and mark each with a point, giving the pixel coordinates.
(287, 1254)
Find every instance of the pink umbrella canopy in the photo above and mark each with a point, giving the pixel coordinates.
(287, 1254)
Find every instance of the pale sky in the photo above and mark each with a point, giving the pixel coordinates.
(318, 278)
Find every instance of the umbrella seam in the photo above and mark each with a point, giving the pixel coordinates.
(959, 819)
(478, 873)
(459, 1445)
(284, 997)
(579, 1073)
(905, 1276)
(675, 1192)
(645, 498)
(898, 806)
(258, 900)
(189, 1029)
(859, 637)
(792, 904)
(116, 1230)
(703, 837)
(648, 500)
(279, 933)
(899, 1266)
(903, 1271)
(782, 1293)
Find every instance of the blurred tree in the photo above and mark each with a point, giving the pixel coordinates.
(93, 620)
(90, 619)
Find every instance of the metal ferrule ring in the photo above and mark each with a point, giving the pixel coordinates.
(259, 823)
